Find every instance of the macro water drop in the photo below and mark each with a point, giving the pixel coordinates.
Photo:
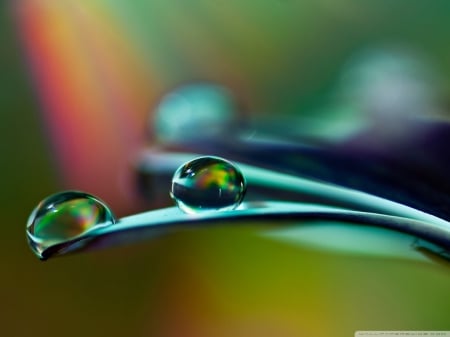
(208, 184)
(64, 217)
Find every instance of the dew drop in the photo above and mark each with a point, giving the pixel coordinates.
(63, 217)
(208, 184)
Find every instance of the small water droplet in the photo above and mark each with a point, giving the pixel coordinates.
(208, 184)
(64, 217)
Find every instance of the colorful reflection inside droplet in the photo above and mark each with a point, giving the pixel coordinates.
(208, 183)
(69, 219)
(65, 216)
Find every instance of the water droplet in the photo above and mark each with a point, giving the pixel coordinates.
(195, 110)
(64, 217)
(207, 184)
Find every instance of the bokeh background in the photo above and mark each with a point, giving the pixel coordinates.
(79, 83)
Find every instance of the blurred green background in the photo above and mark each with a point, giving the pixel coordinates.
(285, 57)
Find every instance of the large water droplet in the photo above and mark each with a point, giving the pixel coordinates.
(64, 217)
(207, 184)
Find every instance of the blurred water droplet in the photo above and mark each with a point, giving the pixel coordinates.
(193, 111)
(207, 184)
(63, 217)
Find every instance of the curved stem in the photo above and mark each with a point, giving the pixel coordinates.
(162, 221)
(354, 207)
(277, 182)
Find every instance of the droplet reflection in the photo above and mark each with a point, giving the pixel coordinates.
(63, 217)
(207, 184)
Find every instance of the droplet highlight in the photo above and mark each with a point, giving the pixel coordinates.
(208, 184)
(64, 217)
